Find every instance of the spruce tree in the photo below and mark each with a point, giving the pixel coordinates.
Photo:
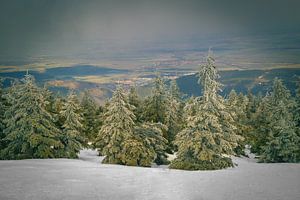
(174, 114)
(283, 143)
(297, 110)
(260, 125)
(72, 137)
(151, 145)
(173, 122)
(91, 117)
(175, 91)
(134, 99)
(30, 130)
(155, 105)
(123, 141)
(155, 109)
(237, 106)
(210, 132)
(2, 111)
(117, 128)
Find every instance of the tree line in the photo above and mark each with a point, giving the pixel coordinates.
(202, 132)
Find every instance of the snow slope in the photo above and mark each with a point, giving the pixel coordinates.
(87, 179)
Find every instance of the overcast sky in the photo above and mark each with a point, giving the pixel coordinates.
(51, 27)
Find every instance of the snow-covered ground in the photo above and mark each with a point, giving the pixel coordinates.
(86, 178)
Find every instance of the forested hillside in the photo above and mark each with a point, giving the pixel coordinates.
(200, 132)
(256, 81)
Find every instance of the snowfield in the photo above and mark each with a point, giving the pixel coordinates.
(86, 179)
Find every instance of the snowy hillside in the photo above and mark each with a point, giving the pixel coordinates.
(87, 179)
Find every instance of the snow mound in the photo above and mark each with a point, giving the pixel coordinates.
(87, 179)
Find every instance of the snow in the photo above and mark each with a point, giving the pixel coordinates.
(87, 179)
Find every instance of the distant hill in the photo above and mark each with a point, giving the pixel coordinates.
(243, 80)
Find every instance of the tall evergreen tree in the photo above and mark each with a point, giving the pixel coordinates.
(72, 137)
(155, 105)
(124, 142)
(2, 111)
(237, 106)
(117, 128)
(30, 130)
(297, 110)
(283, 143)
(210, 133)
(174, 114)
(151, 146)
(91, 117)
(175, 91)
(134, 99)
(260, 125)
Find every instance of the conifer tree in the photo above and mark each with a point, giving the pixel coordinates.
(175, 91)
(134, 99)
(72, 137)
(123, 141)
(260, 125)
(283, 143)
(237, 106)
(2, 111)
(91, 117)
(173, 122)
(118, 126)
(151, 145)
(30, 130)
(297, 110)
(210, 132)
(174, 114)
(155, 105)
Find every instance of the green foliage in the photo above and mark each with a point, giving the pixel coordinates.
(91, 117)
(281, 144)
(134, 100)
(30, 130)
(122, 141)
(237, 106)
(71, 137)
(155, 105)
(297, 109)
(193, 164)
(148, 144)
(2, 111)
(210, 130)
(174, 114)
(117, 128)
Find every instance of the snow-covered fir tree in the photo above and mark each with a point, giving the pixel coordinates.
(151, 142)
(72, 137)
(173, 122)
(134, 99)
(123, 141)
(154, 110)
(237, 106)
(91, 117)
(117, 128)
(282, 142)
(155, 105)
(2, 111)
(260, 125)
(175, 91)
(297, 110)
(30, 130)
(174, 114)
(210, 132)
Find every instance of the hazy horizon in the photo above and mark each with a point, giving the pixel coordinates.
(135, 34)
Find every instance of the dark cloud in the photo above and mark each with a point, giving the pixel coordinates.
(68, 27)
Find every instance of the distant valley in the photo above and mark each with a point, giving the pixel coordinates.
(101, 81)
